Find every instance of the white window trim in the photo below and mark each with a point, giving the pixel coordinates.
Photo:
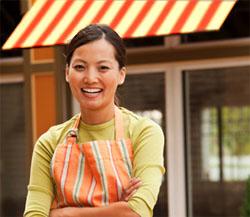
(175, 143)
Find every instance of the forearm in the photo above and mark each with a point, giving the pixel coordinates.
(118, 209)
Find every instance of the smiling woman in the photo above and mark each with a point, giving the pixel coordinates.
(105, 161)
(94, 74)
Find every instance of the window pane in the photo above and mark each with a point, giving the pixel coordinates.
(209, 145)
(12, 155)
(218, 106)
(236, 143)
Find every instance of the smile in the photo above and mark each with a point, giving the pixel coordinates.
(91, 91)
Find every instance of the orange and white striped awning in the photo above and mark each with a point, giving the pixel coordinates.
(51, 22)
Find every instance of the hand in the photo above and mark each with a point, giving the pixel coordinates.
(130, 189)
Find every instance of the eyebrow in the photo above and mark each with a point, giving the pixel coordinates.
(104, 61)
(101, 61)
(80, 60)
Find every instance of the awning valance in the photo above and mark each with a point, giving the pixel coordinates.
(51, 22)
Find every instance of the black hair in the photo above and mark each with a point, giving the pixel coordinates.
(95, 32)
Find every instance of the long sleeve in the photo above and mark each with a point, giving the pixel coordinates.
(40, 189)
(148, 165)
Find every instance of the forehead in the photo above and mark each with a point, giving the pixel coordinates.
(97, 49)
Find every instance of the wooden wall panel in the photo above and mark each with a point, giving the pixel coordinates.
(43, 103)
(42, 55)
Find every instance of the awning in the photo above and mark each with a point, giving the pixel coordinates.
(52, 22)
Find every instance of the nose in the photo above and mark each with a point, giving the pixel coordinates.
(90, 76)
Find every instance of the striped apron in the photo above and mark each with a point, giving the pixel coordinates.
(91, 173)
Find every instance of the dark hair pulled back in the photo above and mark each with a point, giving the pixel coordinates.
(95, 32)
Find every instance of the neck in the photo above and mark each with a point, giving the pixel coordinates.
(97, 116)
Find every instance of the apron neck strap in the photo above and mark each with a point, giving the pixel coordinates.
(119, 127)
(72, 135)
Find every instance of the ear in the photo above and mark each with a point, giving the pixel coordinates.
(123, 72)
(67, 72)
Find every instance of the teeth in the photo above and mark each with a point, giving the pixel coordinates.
(91, 90)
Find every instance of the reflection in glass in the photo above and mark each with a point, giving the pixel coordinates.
(235, 125)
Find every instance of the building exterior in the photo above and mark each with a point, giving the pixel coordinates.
(196, 86)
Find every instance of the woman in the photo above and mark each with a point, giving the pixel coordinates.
(106, 161)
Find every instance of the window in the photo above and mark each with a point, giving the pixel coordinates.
(218, 124)
(210, 150)
(155, 115)
(13, 173)
(225, 143)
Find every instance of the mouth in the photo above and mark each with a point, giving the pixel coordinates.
(91, 90)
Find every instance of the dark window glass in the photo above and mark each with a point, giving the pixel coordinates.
(13, 152)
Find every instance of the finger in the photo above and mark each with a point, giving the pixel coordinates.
(132, 188)
(130, 195)
(135, 186)
(133, 182)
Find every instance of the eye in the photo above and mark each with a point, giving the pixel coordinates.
(79, 67)
(103, 68)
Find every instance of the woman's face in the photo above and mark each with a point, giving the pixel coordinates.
(93, 75)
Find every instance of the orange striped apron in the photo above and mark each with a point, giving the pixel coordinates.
(91, 173)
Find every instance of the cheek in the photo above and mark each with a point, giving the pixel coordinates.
(112, 84)
(74, 84)
(74, 78)
(113, 79)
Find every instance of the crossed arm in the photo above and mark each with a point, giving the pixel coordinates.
(117, 209)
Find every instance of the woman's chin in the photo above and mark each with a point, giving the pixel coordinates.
(90, 106)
